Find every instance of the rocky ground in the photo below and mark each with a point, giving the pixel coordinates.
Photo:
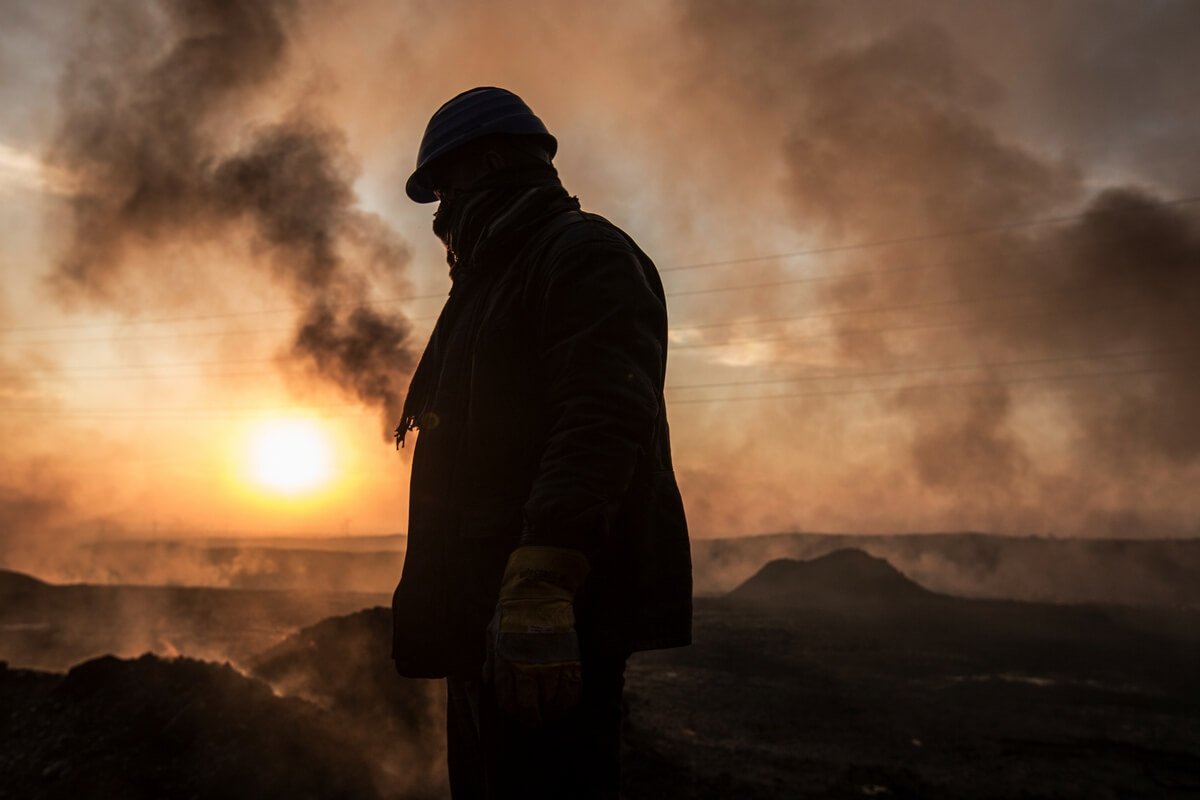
(862, 684)
(835, 677)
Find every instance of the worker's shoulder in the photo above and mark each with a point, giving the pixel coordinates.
(584, 229)
(586, 250)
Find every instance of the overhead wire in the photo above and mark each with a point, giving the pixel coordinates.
(933, 368)
(797, 318)
(702, 326)
(1009, 382)
(182, 414)
(938, 368)
(921, 237)
(675, 293)
(165, 369)
(942, 324)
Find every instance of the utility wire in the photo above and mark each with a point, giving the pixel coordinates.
(723, 262)
(171, 336)
(184, 414)
(142, 370)
(939, 385)
(676, 387)
(921, 237)
(937, 368)
(793, 318)
(678, 293)
(226, 315)
(958, 323)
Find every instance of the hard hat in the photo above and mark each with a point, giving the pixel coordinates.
(474, 113)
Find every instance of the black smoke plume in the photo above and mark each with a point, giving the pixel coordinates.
(167, 144)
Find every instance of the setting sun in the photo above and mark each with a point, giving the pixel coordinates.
(290, 456)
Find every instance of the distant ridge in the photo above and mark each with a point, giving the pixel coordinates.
(846, 577)
(18, 582)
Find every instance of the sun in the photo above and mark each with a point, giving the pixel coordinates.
(290, 456)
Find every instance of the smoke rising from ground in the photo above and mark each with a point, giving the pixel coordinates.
(891, 127)
(1134, 254)
(713, 129)
(168, 145)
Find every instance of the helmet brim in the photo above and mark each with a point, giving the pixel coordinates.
(418, 189)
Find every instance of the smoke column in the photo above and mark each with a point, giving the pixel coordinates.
(157, 140)
(711, 130)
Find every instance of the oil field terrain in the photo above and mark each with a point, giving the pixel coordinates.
(828, 674)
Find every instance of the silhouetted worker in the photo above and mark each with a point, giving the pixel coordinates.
(546, 537)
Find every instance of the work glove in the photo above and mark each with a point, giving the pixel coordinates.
(532, 648)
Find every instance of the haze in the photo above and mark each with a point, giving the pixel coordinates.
(929, 266)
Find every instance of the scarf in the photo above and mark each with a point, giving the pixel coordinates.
(466, 217)
(484, 230)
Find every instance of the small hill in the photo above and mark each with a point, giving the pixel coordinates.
(843, 578)
(344, 664)
(19, 583)
(1040, 569)
(323, 714)
(152, 728)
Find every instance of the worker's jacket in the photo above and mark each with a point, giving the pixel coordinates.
(546, 425)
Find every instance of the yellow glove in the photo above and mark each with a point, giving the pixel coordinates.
(533, 650)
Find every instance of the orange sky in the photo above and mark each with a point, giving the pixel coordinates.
(137, 371)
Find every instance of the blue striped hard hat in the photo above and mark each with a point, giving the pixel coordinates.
(474, 113)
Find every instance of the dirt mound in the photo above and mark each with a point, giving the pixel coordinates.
(324, 715)
(843, 578)
(344, 664)
(18, 583)
(152, 728)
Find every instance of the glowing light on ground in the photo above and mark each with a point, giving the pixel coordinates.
(290, 456)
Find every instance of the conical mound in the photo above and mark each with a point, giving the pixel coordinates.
(848, 577)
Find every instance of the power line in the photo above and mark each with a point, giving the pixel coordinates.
(169, 376)
(938, 368)
(795, 318)
(723, 262)
(678, 293)
(675, 387)
(143, 370)
(891, 329)
(958, 323)
(225, 315)
(921, 237)
(172, 336)
(865, 273)
(136, 413)
(940, 385)
(218, 414)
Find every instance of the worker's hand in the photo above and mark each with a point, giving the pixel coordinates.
(533, 650)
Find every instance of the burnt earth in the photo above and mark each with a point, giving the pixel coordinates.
(155, 728)
(947, 699)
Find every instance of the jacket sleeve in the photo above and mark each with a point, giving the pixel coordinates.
(600, 361)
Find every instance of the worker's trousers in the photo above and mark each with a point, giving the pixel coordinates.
(492, 756)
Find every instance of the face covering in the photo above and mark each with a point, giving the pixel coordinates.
(459, 223)
(463, 216)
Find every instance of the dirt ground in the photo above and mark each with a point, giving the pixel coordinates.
(955, 699)
(858, 686)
